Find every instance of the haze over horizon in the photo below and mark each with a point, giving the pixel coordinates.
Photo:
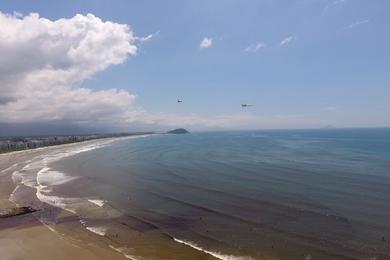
(122, 65)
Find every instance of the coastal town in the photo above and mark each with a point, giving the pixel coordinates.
(9, 144)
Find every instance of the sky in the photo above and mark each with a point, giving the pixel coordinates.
(121, 65)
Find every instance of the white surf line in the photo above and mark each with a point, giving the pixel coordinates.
(99, 203)
(98, 230)
(101, 231)
(9, 168)
(120, 250)
(214, 254)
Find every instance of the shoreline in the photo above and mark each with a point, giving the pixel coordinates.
(74, 143)
(54, 232)
(40, 240)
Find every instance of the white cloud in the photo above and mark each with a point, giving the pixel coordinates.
(17, 14)
(358, 23)
(256, 47)
(206, 43)
(43, 64)
(146, 38)
(287, 40)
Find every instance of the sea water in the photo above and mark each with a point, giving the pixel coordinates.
(287, 194)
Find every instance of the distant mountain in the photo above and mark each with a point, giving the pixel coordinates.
(178, 131)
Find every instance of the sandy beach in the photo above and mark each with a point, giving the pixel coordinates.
(25, 237)
(34, 224)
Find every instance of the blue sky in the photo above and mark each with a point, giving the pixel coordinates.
(333, 70)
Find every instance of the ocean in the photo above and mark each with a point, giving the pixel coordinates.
(271, 194)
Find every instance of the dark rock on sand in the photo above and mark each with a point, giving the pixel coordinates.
(16, 212)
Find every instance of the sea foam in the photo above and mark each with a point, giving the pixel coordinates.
(217, 255)
(122, 251)
(101, 231)
(99, 203)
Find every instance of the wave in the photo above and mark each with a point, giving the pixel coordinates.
(68, 204)
(217, 255)
(99, 203)
(122, 251)
(24, 178)
(42, 182)
(3, 172)
(101, 231)
(47, 177)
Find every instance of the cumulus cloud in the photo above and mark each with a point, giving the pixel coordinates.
(206, 43)
(287, 40)
(43, 64)
(255, 47)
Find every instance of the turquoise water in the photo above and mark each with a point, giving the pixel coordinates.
(288, 193)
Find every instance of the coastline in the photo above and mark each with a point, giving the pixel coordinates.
(25, 236)
(53, 231)
(74, 143)
(81, 210)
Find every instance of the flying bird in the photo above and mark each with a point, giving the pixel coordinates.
(246, 105)
(179, 101)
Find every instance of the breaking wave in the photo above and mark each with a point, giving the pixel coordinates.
(122, 251)
(99, 203)
(212, 253)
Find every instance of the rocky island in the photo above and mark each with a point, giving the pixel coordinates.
(178, 131)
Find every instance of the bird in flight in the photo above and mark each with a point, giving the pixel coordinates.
(179, 101)
(246, 105)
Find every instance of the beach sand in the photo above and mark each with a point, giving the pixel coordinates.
(38, 242)
(24, 237)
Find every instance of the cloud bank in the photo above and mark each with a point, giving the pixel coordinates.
(43, 64)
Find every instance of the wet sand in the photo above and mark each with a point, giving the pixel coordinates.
(38, 242)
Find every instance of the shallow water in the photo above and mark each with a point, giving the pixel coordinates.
(288, 194)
